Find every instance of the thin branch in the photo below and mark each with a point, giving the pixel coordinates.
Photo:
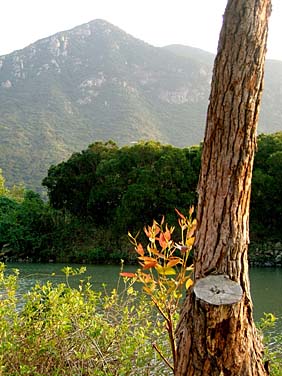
(155, 346)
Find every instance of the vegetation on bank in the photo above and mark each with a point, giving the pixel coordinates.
(58, 330)
(100, 194)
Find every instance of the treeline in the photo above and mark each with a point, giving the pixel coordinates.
(125, 188)
(101, 193)
(266, 199)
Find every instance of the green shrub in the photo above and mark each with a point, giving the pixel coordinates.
(58, 330)
(272, 342)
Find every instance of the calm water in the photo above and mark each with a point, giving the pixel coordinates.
(266, 283)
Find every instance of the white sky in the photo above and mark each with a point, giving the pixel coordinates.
(194, 23)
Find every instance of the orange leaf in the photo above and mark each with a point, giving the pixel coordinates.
(192, 231)
(156, 227)
(173, 261)
(146, 258)
(180, 214)
(167, 234)
(191, 210)
(164, 238)
(127, 274)
(140, 250)
(148, 265)
(162, 241)
(149, 262)
(148, 231)
(155, 252)
(151, 232)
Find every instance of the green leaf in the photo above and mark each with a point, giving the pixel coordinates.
(165, 270)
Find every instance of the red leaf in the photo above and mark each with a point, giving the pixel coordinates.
(149, 262)
(173, 261)
(127, 274)
(167, 234)
(164, 238)
(148, 265)
(162, 241)
(180, 214)
(151, 232)
(146, 258)
(156, 252)
(140, 250)
(148, 231)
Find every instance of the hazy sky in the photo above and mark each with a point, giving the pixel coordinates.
(194, 23)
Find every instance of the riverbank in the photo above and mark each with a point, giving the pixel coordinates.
(267, 254)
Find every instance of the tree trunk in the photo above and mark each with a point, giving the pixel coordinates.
(216, 336)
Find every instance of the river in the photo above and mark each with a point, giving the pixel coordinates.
(266, 283)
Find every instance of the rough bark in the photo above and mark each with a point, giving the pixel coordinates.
(222, 339)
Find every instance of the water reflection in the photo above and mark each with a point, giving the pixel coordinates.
(266, 289)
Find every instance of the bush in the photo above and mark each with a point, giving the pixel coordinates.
(272, 343)
(58, 330)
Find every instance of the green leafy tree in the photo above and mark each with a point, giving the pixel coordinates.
(266, 202)
(69, 184)
(127, 186)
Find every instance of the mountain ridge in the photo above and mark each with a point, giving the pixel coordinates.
(96, 82)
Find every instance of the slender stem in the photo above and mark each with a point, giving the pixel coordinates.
(170, 330)
(155, 346)
(159, 308)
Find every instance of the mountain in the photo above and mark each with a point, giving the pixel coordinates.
(200, 56)
(96, 82)
(271, 107)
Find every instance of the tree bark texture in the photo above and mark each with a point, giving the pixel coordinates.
(222, 340)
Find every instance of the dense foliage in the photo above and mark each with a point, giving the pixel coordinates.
(100, 194)
(60, 330)
(125, 187)
(266, 202)
(56, 329)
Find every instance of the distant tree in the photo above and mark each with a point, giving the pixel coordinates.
(125, 187)
(69, 183)
(267, 145)
(266, 202)
(216, 334)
